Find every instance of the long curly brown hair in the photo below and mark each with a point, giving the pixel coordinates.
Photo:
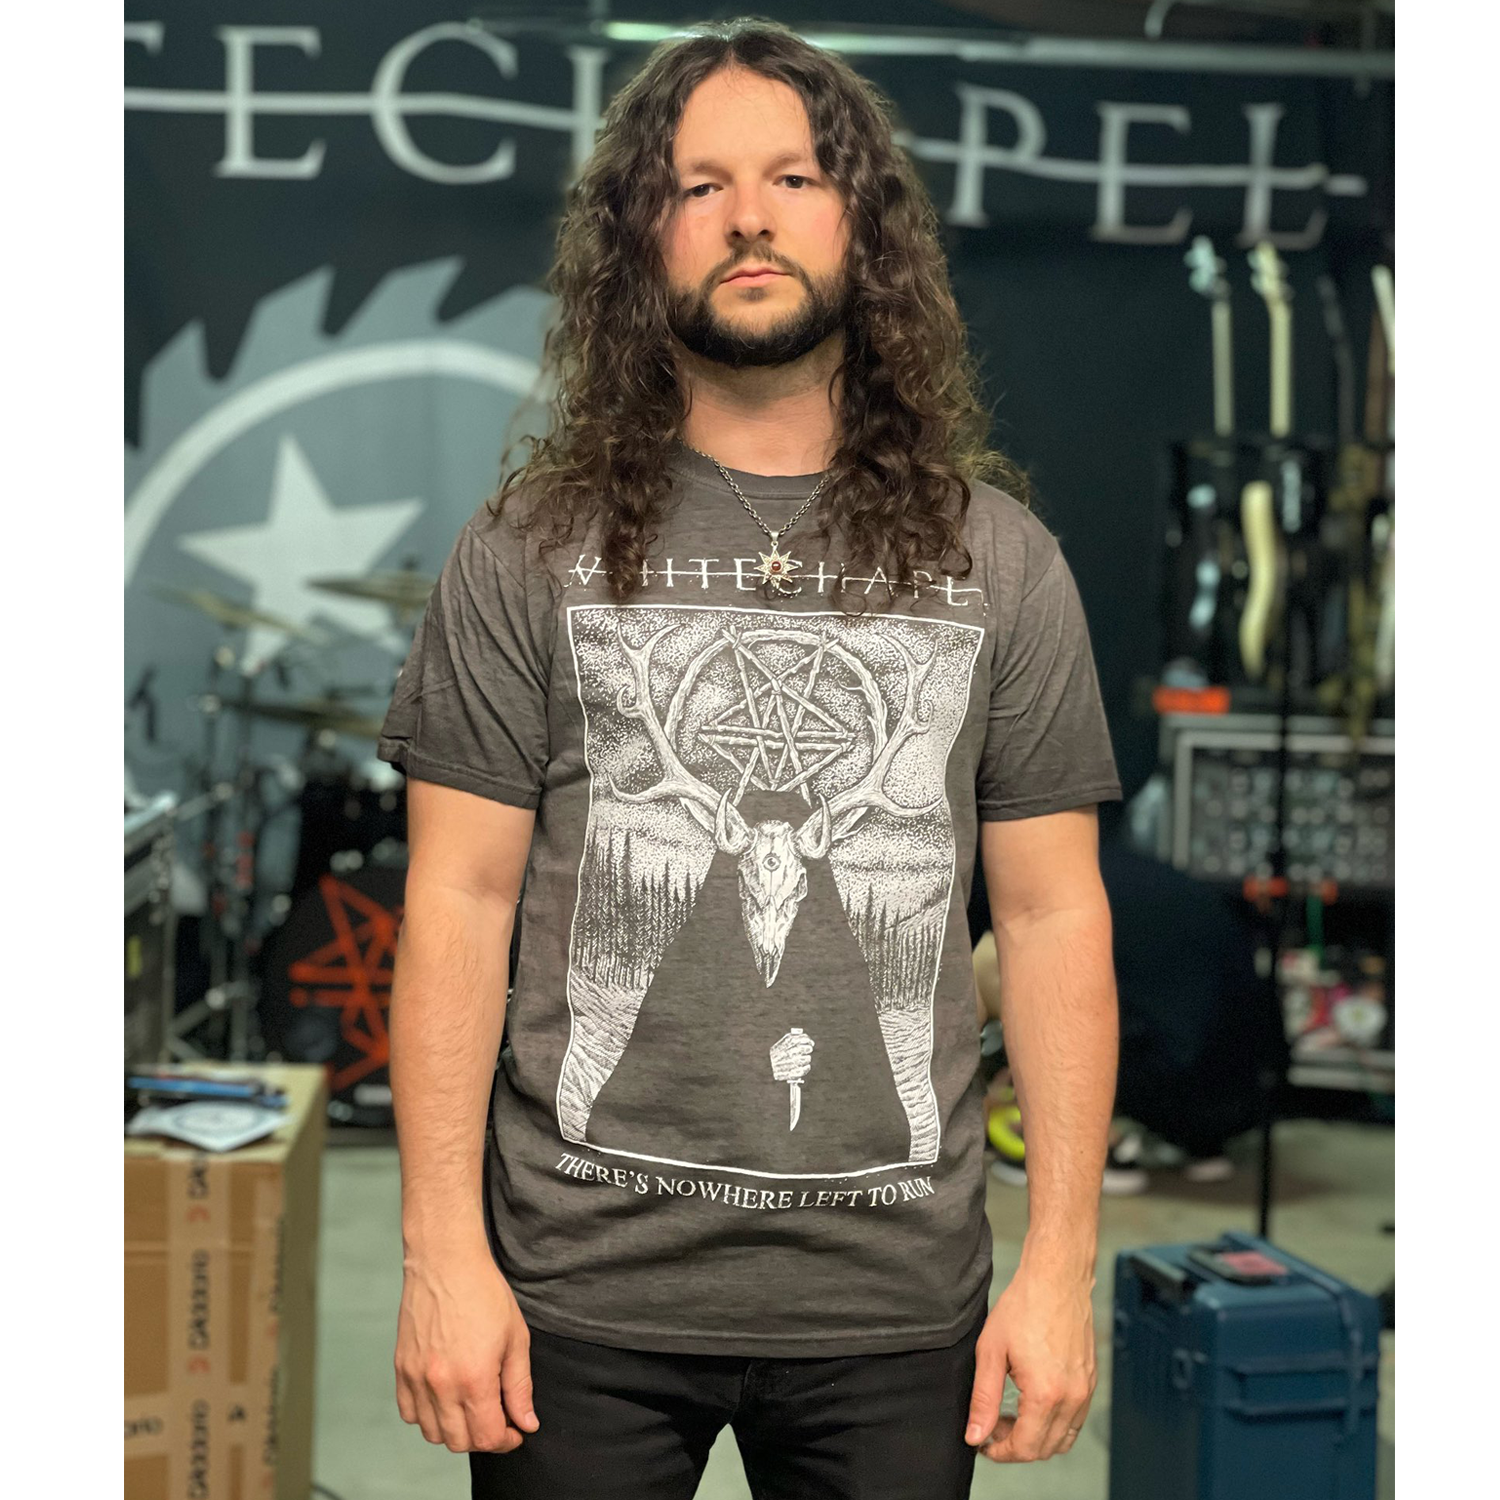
(912, 432)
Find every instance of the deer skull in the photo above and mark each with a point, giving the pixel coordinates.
(772, 855)
(773, 876)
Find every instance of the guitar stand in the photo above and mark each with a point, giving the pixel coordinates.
(1272, 898)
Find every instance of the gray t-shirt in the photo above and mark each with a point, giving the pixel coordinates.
(740, 1109)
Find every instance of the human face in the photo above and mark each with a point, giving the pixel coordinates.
(754, 243)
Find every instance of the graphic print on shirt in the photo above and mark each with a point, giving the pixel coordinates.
(765, 885)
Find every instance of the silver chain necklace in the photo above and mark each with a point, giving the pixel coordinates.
(776, 568)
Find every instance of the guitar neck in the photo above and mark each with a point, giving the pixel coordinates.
(1377, 384)
(1343, 358)
(1223, 368)
(1281, 370)
(1385, 305)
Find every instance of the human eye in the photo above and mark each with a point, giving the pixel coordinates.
(697, 191)
(792, 177)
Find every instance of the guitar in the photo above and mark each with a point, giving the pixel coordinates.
(1207, 278)
(1263, 549)
(1200, 550)
(1385, 417)
(1357, 482)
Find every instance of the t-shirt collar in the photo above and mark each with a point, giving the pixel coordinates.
(695, 467)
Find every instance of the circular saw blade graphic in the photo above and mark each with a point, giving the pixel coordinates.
(317, 455)
(286, 361)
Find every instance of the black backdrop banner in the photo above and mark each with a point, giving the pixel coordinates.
(338, 218)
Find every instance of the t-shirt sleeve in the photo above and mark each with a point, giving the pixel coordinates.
(1047, 744)
(470, 705)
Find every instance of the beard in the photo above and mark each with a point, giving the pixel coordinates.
(692, 318)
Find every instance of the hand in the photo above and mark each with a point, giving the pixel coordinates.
(1041, 1329)
(791, 1057)
(462, 1345)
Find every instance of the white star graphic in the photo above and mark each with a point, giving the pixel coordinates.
(305, 536)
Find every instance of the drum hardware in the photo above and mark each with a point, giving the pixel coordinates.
(403, 590)
(230, 615)
(232, 812)
(214, 797)
(317, 715)
(143, 701)
(235, 1001)
(150, 928)
(348, 810)
(348, 819)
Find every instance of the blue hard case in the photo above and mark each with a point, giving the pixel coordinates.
(1229, 1391)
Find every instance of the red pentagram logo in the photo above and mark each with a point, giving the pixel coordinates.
(352, 974)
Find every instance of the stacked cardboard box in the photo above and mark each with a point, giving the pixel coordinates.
(220, 1308)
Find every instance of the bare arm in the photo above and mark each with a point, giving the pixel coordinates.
(1061, 1019)
(448, 1005)
(460, 1336)
(1058, 1006)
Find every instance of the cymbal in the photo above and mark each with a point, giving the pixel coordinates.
(312, 713)
(228, 613)
(402, 588)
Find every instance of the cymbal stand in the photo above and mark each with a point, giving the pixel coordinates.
(228, 850)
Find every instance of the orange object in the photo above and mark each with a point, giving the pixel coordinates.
(1260, 888)
(1205, 700)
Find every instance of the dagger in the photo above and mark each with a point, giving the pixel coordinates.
(796, 1084)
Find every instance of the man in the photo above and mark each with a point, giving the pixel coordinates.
(738, 671)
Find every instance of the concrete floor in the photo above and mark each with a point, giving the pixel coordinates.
(1335, 1190)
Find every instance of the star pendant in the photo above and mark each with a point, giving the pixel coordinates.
(777, 569)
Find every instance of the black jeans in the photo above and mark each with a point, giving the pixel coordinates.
(620, 1424)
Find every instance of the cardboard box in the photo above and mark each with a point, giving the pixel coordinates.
(221, 1256)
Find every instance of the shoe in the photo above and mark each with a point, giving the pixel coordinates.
(1011, 1173)
(1207, 1169)
(1123, 1173)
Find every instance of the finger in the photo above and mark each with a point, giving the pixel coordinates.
(1054, 1435)
(1069, 1417)
(1073, 1426)
(989, 1387)
(488, 1429)
(993, 1446)
(515, 1386)
(1064, 1419)
(1023, 1443)
(452, 1424)
(406, 1402)
(427, 1418)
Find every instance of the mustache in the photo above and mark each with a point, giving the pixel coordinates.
(774, 261)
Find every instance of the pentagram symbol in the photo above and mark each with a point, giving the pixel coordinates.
(776, 737)
(352, 975)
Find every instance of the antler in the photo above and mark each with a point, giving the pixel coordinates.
(848, 808)
(712, 811)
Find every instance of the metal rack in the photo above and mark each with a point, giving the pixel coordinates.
(1348, 789)
(1343, 793)
(150, 929)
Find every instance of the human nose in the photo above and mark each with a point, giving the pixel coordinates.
(749, 217)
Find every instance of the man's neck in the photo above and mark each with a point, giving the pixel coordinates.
(777, 419)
